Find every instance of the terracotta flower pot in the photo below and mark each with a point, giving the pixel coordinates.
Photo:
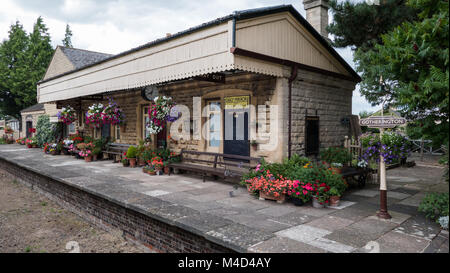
(132, 162)
(336, 170)
(152, 172)
(166, 170)
(141, 162)
(126, 164)
(280, 199)
(94, 157)
(88, 158)
(334, 201)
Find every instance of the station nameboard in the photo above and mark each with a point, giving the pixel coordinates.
(382, 122)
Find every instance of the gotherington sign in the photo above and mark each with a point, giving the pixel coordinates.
(382, 122)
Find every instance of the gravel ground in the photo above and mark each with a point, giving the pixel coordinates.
(29, 222)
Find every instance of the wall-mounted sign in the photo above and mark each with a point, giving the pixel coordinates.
(240, 102)
(213, 77)
(382, 122)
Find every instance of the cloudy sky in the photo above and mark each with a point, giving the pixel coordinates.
(113, 26)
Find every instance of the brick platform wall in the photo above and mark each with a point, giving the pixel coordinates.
(156, 235)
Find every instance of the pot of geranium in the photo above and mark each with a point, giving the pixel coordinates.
(320, 195)
(166, 167)
(86, 154)
(131, 155)
(125, 162)
(335, 197)
(299, 192)
(157, 164)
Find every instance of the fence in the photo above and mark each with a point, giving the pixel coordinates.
(353, 146)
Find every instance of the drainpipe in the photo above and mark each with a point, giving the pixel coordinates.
(290, 80)
(233, 34)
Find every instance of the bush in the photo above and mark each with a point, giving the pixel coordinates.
(336, 155)
(434, 205)
(44, 131)
(132, 151)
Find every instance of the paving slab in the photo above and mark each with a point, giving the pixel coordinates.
(353, 213)
(303, 233)
(330, 222)
(331, 246)
(395, 242)
(420, 227)
(279, 244)
(413, 200)
(397, 218)
(397, 195)
(342, 204)
(294, 218)
(351, 236)
(202, 222)
(276, 210)
(239, 235)
(365, 193)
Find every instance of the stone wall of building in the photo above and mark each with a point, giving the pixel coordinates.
(330, 98)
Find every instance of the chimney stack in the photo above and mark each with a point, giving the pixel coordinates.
(317, 15)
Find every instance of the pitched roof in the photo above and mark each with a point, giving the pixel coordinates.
(237, 15)
(81, 58)
(34, 108)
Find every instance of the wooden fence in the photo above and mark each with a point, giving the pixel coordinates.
(353, 146)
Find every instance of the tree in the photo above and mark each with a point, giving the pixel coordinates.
(360, 25)
(413, 59)
(67, 41)
(13, 76)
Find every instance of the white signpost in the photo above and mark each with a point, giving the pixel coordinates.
(382, 122)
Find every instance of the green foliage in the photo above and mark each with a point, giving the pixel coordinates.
(23, 62)
(67, 41)
(444, 161)
(360, 25)
(336, 155)
(434, 205)
(413, 59)
(132, 151)
(44, 130)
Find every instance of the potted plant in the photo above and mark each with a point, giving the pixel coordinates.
(300, 192)
(166, 167)
(151, 170)
(131, 155)
(157, 163)
(95, 152)
(86, 154)
(337, 157)
(125, 162)
(336, 167)
(254, 145)
(335, 196)
(320, 195)
(54, 149)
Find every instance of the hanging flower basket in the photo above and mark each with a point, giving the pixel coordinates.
(67, 115)
(95, 117)
(160, 111)
(113, 114)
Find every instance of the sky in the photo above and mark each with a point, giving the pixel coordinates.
(113, 26)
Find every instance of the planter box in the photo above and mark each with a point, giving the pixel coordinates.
(280, 199)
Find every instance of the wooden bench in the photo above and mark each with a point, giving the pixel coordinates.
(116, 149)
(219, 165)
(357, 174)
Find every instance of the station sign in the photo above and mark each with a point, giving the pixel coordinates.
(382, 122)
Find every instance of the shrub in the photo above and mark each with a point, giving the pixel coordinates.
(44, 130)
(336, 155)
(434, 205)
(132, 151)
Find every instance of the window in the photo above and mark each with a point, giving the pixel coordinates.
(145, 120)
(214, 126)
(117, 131)
(71, 128)
(312, 132)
